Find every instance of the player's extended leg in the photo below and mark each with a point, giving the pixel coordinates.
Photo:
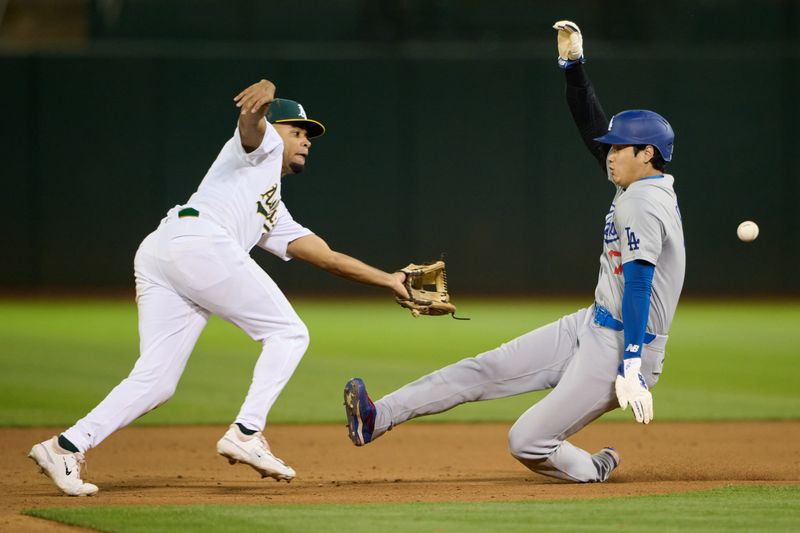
(250, 299)
(239, 291)
(168, 329)
(268, 317)
(534, 361)
(585, 392)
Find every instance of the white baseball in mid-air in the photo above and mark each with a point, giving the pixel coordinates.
(747, 231)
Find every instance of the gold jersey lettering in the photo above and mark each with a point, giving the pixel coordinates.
(268, 208)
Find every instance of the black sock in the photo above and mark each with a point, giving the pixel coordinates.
(245, 430)
(66, 444)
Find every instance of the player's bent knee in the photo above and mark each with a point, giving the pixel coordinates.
(302, 336)
(162, 392)
(528, 449)
(296, 334)
(299, 332)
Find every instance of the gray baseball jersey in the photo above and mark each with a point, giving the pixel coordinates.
(644, 222)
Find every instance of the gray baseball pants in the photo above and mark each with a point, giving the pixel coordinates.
(575, 357)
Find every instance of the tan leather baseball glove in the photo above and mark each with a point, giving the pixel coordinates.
(427, 287)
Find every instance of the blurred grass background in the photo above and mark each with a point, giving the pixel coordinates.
(725, 360)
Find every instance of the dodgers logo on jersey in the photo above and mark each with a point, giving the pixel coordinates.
(610, 231)
(268, 207)
(633, 242)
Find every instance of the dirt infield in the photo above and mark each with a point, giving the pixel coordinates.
(413, 463)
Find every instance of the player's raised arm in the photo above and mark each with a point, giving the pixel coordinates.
(586, 110)
(254, 103)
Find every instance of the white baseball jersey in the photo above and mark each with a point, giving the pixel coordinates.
(241, 193)
(644, 222)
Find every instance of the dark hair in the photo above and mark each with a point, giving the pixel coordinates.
(657, 161)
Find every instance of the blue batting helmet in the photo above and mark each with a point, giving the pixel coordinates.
(639, 126)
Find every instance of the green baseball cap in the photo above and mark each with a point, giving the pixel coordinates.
(283, 111)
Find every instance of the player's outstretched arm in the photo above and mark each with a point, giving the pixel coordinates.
(254, 103)
(584, 105)
(312, 249)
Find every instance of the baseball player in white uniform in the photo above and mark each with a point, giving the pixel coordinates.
(197, 263)
(602, 357)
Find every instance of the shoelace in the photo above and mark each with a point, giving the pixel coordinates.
(81, 463)
(264, 443)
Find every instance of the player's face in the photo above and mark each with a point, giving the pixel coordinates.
(295, 148)
(625, 166)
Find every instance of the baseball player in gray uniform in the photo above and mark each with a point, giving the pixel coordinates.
(197, 263)
(599, 358)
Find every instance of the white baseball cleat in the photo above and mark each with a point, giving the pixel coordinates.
(63, 467)
(254, 451)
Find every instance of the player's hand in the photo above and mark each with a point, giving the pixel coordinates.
(570, 43)
(256, 98)
(398, 285)
(632, 389)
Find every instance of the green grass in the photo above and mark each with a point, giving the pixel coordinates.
(731, 360)
(730, 509)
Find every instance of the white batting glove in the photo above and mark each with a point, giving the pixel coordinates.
(570, 43)
(632, 389)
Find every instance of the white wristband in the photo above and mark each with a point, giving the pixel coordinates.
(631, 365)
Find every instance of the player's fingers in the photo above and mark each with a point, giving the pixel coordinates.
(638, 412)
(619, 388)
(244, 98)
(242, 94)
(247, 102)
(566, 25)
(262, 101)
(623, 402)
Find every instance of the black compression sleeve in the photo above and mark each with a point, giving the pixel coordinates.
(587, 112)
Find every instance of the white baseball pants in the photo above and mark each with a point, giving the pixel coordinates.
(187, 270)
(573, 356)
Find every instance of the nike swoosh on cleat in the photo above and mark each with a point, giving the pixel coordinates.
(66, 468)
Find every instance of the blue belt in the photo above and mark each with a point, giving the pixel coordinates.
(603, 317)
